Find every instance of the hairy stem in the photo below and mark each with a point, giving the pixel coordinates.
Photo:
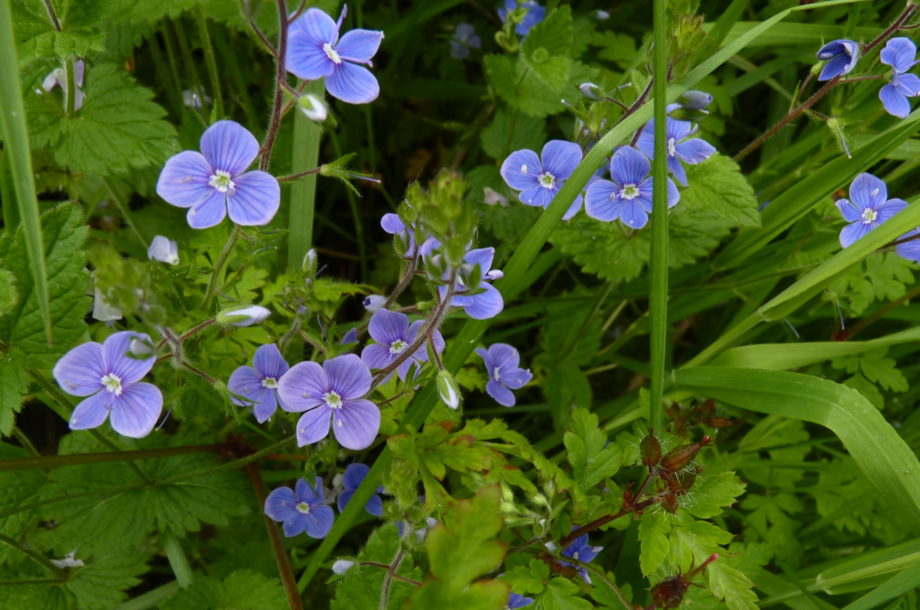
(275, 120)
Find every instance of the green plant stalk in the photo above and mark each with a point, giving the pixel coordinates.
(16, 145)
(70, 101)
(516, 273)
(210, 62)
(152, 598)
(177, 560)
(10, 213)
(658, 286)
(302, 193)
(35, 556)
(219, 265)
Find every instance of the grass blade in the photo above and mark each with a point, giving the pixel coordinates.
(302, 197)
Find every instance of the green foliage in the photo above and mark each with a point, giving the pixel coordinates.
(365, 586)
(118, 128)
(591, 458)
(239, 590)
(880, 277)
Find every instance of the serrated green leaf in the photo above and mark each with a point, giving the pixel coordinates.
(562, 594)
(21, 328)
(517, 84)
(239, 590)
(510, 131)
(547, 46)
(528, 579)
(482, 595)
(591, 461)
(712, 493)
(732, 586)
(12, 389)
(361, 587)
(654, 530)
(103, 581)
(19, 488)
(8, 295)
(118, 128)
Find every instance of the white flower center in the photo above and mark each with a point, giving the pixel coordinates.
(672, 147)
(333, 400)
(398, 347)
(524, 168)
(331, 53)
(302, 508)
(495, 372)
(112, 384)
(221, 181)
(629, 192)
(546, 180)
(270, 383)
(868, 216)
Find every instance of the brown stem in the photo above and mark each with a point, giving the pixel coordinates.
(281, 556)
(199, 372)
(309, 172)
(375, 564)
(593, 525)
(404, 281)
(275, 120)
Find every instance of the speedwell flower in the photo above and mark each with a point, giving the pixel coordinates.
(352, 479)
(316, 51)
(464, 39)
(629, 196)
(393, 335)
(910, 249)
(900, 53)
(111, 378)
(214, 182)
(679, 147)
(333, 391)
(300, 509)
(518, 601)
(534, 14)
(582, 550)
(258, 384)
(58, 77)
(867, 207)
(841, 57)
(505, 374)
(540, 178)
(486, 301)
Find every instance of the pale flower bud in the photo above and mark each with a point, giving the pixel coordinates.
(164, 250)
(243, 316)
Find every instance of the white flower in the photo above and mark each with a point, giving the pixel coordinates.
(164, 250)
(243, 316)
(374, 303)
(341, 566)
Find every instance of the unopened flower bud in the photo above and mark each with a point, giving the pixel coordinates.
(374, 302)
(243, 316)
(650, 449)
(313, 107)
(592, 91)
(679, 457)
(164, 250)
(309, 262)
(448, 389)
(695, 100)
(141, 349)
(341, 566)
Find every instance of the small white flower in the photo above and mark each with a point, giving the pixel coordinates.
(313, 107)
(164, 250)
(68, 561)
(493, 197)
(243, 316)
(341, 566)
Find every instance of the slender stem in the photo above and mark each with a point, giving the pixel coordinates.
(125, 214)
(70, 90)
(275, 119)
(388, 580)
(262, 37)
(404, 281)
(53, 16)
(219, 265)
(658, 288)
(797, 111)
(593, 525)
(178, 560)
(49, 462)
(210, 61)
(20, 436)
(200, 373)
(385, 566)
(291, 177)
(281, 556)
(40, 559)
(848, 333)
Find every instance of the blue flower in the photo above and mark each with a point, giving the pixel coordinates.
(502, 363)
(629, 196)
(354, 474)
(464, 39)
(487, 301)
(910, 249)
(316, 51)
(534, 14)
(110, 376)
(393, 334)
(841, 57)
(215, 183)
(258, 384)
(679, 147)
(540, 178)
(867, 207)
(393, 224)
(300, 509)
(581, 550)
(517, 601)
(900, 54)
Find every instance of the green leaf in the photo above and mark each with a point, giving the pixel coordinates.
(712, 493)
(528, 579)
(482, 595)
(8, 295)
(654, 529)
(518, 84)
(21, 328)
(361, 587)
(464, 547)
(12, 389)
(239, 590)
(547, 46)
(591, 461)
(102, 583)
(511, 130)
(19, 488)
(118, 128)
(562, 594)
(732, 586)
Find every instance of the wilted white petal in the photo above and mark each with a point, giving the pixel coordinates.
(164, 250)
(492, 197)
(68, 561)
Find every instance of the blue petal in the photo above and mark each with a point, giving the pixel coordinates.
(294, 525)
(837, 66)
(317, 26)
(907, 84)
(388, 326)
(629, 166)
(359, 46)
(694, 150)
(344, 498)
(899, 53)
(353, 84)
(184, 179)
(487, 360)
(279, 505)
(306, 58)
(79, 372)
(909, 249)
(673, 194)
(269, 361)
(889, 209)
(894, 101)
(392, 224)
(520, 169)
(356, 424)
(482, 257)
(348, 376)
(850, 212)
(602, 201)
(313, 426)
(137, 410)
(560, 158)
(633, 214)
(374, 506)
(481, 306)
(867, 191)
(500, 393)
(117, 359)
(302, 387)
(354, 474)
(311, 493)
(91, 412)
(208, 213)
(319, 521)
(377, 356)
(516, 378)
(537, 196)
(228, 146)
(573, 209)
(853, 232)
(255, 200)
(677, 169)
(504, 356)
